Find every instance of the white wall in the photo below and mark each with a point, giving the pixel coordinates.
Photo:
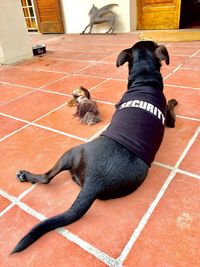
(75, 15)
(15, 43)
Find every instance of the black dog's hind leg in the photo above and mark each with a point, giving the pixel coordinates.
(83, 202)
(170, 114)
(64, 163)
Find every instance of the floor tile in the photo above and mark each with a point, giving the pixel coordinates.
(39, 62)
(60, 54)
(183, 51)
(68, 84)
(192, 63)
(171, 236)
(92, 56)
(105, 70)
(33, 149)
(63, 120)
(111, 48)
(165, 71)
(121, 215)
(10, 92)
(112, 58)
(185, 77)
(185, 44)
(188, 100)
(110, 91)
(70, 66)
(175, 140)
(9, 125)
(175, 61)
(191, 161)
(49, 251)
(33, 105)
(27, 77)
(4, 202)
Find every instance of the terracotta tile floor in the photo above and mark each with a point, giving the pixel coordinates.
(159, 224)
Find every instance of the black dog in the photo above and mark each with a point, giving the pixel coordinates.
(116, 163)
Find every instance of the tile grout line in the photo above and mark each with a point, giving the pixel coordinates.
(13, 199)
(188, 68)
(181, 86)
(102, 82)
(72, 71)
(27, 191)
(61, 78)
(158, 163)
(39, 126)
(193, 175)
(98, 133)
(84, 68)
(10, 206)
(49, 112)
(178, 170)
(90, 76)
(145, 218)
(157, 199)
(177, 68)
(88, 247)
(104, 102)
(18, 97)
(14, 132)
(189, 145)
(53, 92)
(193, 55)
(100, 77)
(65, 94)
(59, 132)
(34, 123)
(18, 85)
(68, 235)
(187, 118)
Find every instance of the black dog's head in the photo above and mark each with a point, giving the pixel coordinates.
(146, 49)
(144, 61)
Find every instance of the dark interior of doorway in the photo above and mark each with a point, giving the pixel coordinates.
(190, 14)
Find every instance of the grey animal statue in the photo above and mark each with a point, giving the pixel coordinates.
(102, 15)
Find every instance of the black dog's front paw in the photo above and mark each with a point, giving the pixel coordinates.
(21, 176)
(172, 102)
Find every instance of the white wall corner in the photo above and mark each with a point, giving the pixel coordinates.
(15, 43)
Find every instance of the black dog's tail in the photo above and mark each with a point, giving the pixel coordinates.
(80, 206)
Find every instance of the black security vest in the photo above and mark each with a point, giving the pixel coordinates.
(138, 123)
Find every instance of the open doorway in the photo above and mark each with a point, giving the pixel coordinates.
(190, 14)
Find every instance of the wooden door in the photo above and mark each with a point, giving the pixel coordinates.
(49, 16)
(158, 14)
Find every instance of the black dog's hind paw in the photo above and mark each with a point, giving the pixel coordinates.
(21, 176)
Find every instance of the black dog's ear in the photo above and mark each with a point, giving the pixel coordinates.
(124, 56)
(162, 54)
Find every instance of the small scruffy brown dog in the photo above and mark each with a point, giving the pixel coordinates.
(87, 110)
